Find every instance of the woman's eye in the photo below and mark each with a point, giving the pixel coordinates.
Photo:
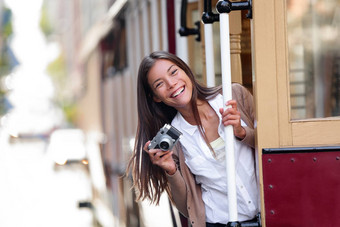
(174, 72)
(158, 84)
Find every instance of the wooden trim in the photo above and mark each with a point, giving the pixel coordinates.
(282, 74)
(316, 133)
(235, 46)
(264, 83)
(265, 69)
(192, 6)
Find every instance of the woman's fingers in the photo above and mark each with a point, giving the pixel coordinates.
(145, 148)
(151, 152)
(156, 154)
(231, 116)
(161, 158)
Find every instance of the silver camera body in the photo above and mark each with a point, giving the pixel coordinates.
(166, 138)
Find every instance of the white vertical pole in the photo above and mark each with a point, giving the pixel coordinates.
(155, 25)
(146, 32)
(209, 54)
(165, 40)
(228, 130)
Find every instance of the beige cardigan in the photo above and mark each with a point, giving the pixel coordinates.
(185, 193)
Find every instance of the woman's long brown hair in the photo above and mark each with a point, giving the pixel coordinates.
(150, 180)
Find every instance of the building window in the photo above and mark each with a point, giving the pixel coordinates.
(113, 48)
(313, 31)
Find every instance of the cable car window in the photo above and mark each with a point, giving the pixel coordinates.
(313, 31)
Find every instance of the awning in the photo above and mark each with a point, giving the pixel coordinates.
(99, 30)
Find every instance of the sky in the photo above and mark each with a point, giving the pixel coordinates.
(31, 88)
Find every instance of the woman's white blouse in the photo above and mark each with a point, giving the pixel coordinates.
(210, 171)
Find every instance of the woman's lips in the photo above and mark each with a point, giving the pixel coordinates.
(177, 92)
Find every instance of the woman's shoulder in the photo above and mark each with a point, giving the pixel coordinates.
(176, 120)
(238, 87)
(240, 92)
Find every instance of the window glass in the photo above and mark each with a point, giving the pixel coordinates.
(313, 29)
(195, 48)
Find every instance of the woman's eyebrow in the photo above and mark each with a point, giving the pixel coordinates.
(155, 81)
(170, 68)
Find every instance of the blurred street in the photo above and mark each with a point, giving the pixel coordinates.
(35, 191)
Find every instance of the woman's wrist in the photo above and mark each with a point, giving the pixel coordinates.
(242, 134)
(172, 171)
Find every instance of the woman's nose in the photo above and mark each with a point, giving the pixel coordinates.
(171, 82)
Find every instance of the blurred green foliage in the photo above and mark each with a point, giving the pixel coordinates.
(57, 70)
(45, 23)
(6, 26)
(6, 31)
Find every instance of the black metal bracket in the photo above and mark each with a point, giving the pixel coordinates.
(227, 6)
(234, 224)
(256, 222)
(209, 16)
(184, 30)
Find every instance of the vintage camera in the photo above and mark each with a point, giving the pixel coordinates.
(166, 138)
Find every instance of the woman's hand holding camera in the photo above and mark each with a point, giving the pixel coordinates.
(161, 158)
(231, 116)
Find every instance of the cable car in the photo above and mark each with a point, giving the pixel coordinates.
(287, 54)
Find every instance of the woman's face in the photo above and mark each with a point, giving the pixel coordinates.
(170, 84)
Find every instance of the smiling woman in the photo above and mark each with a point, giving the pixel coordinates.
(170, 84)
(193, 172)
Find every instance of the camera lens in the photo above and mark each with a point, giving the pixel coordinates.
(164, 145)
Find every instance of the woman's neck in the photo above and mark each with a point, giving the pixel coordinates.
(188, 115)
(204, 111)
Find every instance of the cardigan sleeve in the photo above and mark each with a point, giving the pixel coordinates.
(178, 189)
(185, 193)
(245, 104)
(249, 139)
(178, 192)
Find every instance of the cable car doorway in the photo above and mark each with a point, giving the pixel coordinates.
(295, 51)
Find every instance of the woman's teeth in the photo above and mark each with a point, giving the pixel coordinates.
(178, 92)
